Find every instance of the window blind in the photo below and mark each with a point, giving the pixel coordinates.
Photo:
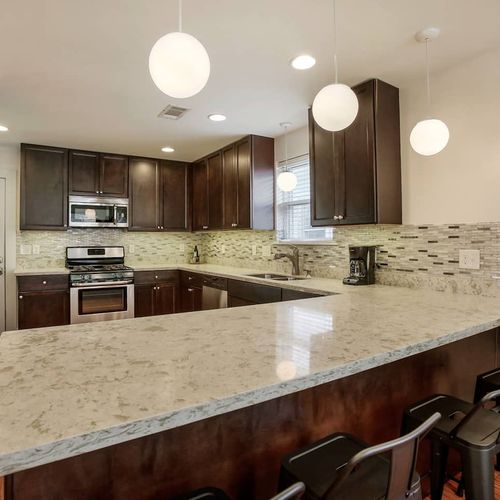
(293, 208)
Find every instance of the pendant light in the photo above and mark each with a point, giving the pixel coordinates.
(429, 136)
(335, 106)
(287, 181)
(179, 64)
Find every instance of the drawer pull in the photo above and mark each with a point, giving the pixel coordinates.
(44, 282)
(20, 296)
(190, 289)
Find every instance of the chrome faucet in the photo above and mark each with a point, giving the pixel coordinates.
(293, 257)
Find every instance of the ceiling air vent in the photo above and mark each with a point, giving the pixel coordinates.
(172, 112)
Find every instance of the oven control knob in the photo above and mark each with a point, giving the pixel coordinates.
(87, 277)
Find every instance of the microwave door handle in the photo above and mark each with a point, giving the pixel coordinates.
(114, 215)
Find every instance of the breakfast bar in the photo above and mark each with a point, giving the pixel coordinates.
(144, 407)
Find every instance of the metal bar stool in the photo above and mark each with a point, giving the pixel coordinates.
(341, 466)
(469, 428)
(293, 492)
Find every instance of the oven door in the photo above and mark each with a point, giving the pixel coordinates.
(101, 302)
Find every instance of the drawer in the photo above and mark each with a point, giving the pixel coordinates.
(215, 282)
(162, 276)
(260, 294)
(43, 282)
(288, 294)
(191, 279)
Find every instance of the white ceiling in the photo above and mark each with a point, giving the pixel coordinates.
(74, 72)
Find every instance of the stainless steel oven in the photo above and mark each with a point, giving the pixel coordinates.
(98, 212)
(92, 302)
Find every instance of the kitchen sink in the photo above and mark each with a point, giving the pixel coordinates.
(276, 277)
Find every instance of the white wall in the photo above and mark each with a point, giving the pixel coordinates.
(462, 183)
(9, 166)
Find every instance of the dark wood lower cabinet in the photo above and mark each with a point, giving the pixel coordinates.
(242, 293)
(42, 301)
(241, 451)
(192, 298)
(156, 292)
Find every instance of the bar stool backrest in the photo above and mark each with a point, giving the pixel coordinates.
(292, 492)
(403, 453)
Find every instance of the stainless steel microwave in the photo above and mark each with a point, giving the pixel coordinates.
(98, 212)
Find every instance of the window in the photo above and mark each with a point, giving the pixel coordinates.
(293, 208)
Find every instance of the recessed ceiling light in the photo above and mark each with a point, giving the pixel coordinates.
(3, 128)
(217, 117)
(168, 149)
(304, 61)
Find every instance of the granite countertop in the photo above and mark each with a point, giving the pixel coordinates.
(73, 389)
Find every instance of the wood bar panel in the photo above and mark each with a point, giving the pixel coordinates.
(240, 451)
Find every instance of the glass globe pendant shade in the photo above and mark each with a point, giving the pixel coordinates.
(429, 137)
(287, 181)
(335, 107)
(179, 65)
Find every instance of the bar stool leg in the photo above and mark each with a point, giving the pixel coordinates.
(439, 460)
(478, 475)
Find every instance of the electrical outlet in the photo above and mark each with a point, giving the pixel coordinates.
(36, 249)
(182, 247)
(25, 250)
(469, 259)
(254, 249)
(223, 249)
(131, 249)
(266, 250)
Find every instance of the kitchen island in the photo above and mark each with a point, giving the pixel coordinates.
(143, 407)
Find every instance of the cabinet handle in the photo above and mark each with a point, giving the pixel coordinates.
(156, 277)
(44, 282)
(190, 278)
(100, 192)
(341, 217)
(161, 227)
(205, 227)
(20, 296)
(97, 192)
(190, 289)
(335, 217)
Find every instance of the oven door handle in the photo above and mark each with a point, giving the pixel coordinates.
(103, 285)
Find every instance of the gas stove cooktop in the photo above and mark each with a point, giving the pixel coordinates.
(99, 268)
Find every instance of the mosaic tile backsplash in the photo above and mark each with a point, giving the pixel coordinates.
(413, 256)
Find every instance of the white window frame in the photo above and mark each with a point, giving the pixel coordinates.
(329, 239)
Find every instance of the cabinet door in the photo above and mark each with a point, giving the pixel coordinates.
(191, 297)
(244, 168)
(113, 175)
(174, 196)
(40, 309)
(144, 191)
(144, 296)
(215, 195)
(325, 158)
(200, 195)
(230, 187)
(44, 187)
(356, 205)
(166, 298)
(83, 173)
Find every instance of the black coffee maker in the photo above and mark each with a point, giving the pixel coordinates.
(361, 266)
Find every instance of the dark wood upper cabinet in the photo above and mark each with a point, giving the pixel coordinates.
(144, 187)
(200, 195)
(175, 190)
(84, 173)
(356, 173)
(113, 170)
(44, 187)
(98, 174)
(239, 182)
(215, 196)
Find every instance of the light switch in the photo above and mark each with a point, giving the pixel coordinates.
(469, 259)
(131, 249)
(254, 249)
(223, 249)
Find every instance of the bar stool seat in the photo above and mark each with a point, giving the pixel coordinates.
(471, 429)
(317, 465)
(342, 467)
(487, 382)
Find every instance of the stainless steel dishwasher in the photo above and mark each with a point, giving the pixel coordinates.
(214, 295)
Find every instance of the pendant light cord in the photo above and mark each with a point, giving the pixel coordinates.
(286, 148)
(180, 16)
(335, 63)
(428, 78)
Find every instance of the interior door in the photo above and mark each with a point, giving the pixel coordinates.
(2, 254)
